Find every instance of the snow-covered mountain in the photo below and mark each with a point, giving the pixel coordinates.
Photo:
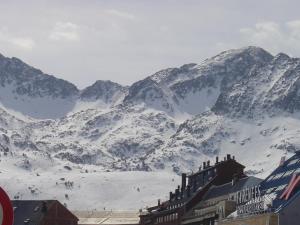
(243, 101)
(31, 92)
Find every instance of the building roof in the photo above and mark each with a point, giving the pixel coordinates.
(30, 212)
(198, 184)
(107, 217)
(274, 185)
(225, 189)
(214, 165)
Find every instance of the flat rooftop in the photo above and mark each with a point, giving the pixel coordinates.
(107, 217)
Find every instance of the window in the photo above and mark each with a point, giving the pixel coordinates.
(277, 176)
(270, 178)
(288, 173)
(292, 162)
(297, 170)
(281, 187)
(270, 190)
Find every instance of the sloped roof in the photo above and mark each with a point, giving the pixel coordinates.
(29, 212)
(275, 183)
(225, 189)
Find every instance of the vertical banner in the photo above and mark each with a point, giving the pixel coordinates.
(6, 209)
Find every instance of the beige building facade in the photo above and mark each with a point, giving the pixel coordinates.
(260, 219)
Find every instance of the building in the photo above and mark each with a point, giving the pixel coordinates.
(49, 212)
(277, 201)
(258, 219)
(218, 202)
(107, 217)
(193, 189)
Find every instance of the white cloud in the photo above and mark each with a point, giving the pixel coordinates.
(295, 24)
(294, 28)
(273, 36)
(120, 14)
(262, 32)
(140, 38)
(65, 31)
(23, 43)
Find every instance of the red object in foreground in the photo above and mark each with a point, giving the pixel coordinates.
(7, 209)
(295, 180)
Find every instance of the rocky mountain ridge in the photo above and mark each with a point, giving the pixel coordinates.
(171, 120)
(56, 140)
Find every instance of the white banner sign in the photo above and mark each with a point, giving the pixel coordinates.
(248, 200)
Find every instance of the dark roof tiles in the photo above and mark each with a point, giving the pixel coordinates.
(228, 188)
(30, 212)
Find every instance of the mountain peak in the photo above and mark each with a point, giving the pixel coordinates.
(253, 51)
(106, 82)
(102, 89)
(282, 56)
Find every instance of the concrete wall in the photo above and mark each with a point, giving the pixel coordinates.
(290, 215)
(262, 219)
(109, 217)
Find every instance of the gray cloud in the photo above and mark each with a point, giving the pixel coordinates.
(84, 41)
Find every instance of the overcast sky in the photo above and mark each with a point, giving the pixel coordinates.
(126, 40)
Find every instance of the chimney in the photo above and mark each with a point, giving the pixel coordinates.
(217, 160)
(171, 196)
(208, 163)
(282, 160)
(194, 185)
(234, 179)
(204, 165)
(158, 202)
(224, 159)
(188, 190)
(177, 193)
(183, 182)
(233, 157)
(228, 157)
